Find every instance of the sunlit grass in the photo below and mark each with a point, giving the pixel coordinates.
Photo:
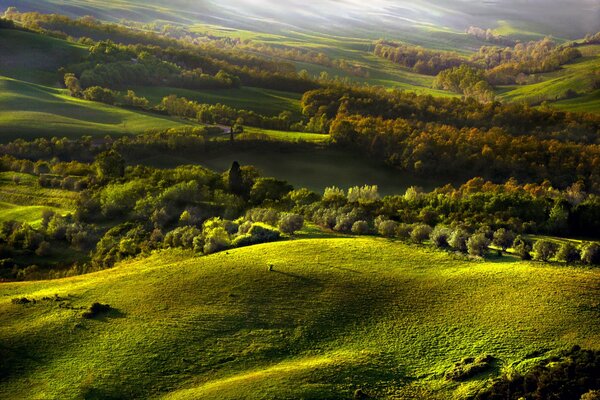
(334, 315)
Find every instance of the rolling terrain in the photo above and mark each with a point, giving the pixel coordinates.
(403, 316)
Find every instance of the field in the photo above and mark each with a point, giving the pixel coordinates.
(576, 76)
(25, 201)
(262, 101)
(24, 105)
(399, 323)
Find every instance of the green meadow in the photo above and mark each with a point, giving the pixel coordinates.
(334, 315)
(29, 110)
(262, 101)
(576, 76)
(24, 190)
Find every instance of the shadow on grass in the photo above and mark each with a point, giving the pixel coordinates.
(308, 281)
(113, 313)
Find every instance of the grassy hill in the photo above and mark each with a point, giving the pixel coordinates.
(29, 110)
(35, 58)
(334, 315)
(262, 101)
(25, 201)
(577, 76)
(30, 93)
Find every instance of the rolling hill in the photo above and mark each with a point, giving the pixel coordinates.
(334, 315)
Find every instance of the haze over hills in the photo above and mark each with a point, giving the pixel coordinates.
(568, 19)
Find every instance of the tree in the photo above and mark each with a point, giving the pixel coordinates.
(439, 236)
(290, 223)
(478, 244)
(544, 250)
(73, 85)
(590, 253)
(420, 233)
(387, 228)
(360, 228)
(235, 181)
(131, 99)
(269, 189)
(109, 165)
(100, 94)
(522, 248)
(503, 238)
(458, 240)
(568, 253)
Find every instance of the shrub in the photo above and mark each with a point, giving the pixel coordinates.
(216, 240)
(360, 228)
(100, 94)
(387, 228)
(258, 233)
(522, 248)
(571, 375)
(544, 250)
(478, 244)
(568, 253)
(344, 222)
(590, 253)
(365, 195)
(334, 195)
(458, 240)
(95, 310)
(290, 223)
(503, 238)
(266, 215)
(439, 236)
(263, 233)
(591, 395)
(420, 233)
(182, 237)
(469, 367)
(44, 249)
(403, 231)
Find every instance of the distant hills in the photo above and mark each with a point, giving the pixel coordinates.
(566, 19)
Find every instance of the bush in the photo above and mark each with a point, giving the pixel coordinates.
(544, 250)
(420, 233)
(458, 240)
(360, 228)
(344, 222)
(568, 253)
(44, 249)
(469, 367)
(439, 236)
(387, 228)
(522, 248)
(478, 244)
(266, 215)
(102, 95)
(503, 238)
(96, 309)
(290, 223)
(216, 240)
(590, 253)
(258, 233)
(571, 375)
(403, 231)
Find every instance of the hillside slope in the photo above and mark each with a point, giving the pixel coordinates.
(334, 315)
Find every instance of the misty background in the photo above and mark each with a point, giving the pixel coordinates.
(568, 19)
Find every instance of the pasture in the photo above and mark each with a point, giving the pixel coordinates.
(223, 327)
